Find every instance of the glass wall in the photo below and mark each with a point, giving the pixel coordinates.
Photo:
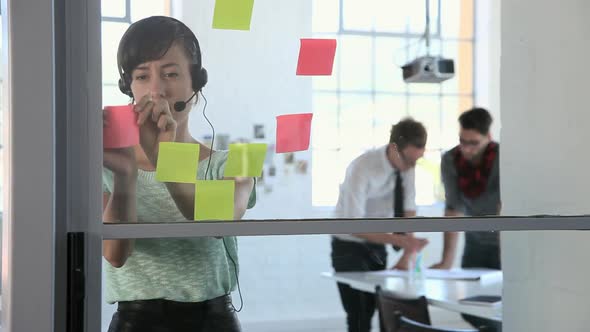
(289, 280)
(353, 109)
(254, 92)
(300, 283)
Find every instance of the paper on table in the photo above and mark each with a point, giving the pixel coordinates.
(245, 160)
(121, 128)
(454, 274)
(214, 200)
(483, 300)
(233, 14)
(177, 162)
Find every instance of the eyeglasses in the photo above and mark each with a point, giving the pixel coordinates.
(469, 142)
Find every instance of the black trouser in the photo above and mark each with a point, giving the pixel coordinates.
(215, 315)
(479, 254)
(348, 256)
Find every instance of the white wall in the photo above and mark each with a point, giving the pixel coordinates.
(252, 73)
(251, 81)
(487, 60)
(544, 88)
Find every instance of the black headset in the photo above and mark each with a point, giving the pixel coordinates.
(198, 73)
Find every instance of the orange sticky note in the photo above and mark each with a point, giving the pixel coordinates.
(121, 129)
(293, 132)
(316, 57)
(214, 200)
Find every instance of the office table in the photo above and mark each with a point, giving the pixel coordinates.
(442, 293)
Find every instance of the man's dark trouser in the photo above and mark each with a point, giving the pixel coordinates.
(348, 256)
(481, 255)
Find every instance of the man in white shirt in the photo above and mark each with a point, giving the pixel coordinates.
(378, 184)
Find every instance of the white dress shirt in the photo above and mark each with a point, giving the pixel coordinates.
(368, 189)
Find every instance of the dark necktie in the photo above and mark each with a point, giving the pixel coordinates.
(398, 196)
(398, 200)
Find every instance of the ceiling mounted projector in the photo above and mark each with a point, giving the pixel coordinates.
(428, 69)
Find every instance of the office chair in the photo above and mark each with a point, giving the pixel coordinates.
(388, 304)
(407, 325)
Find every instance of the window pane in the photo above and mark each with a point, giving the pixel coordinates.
(434, 18)
(427, 111)
(289, 281)
(462, 53)
(389, 16)
(452, 107)
(390, 55)
(325, 121)
(424, 88)
(111, 35)
(327, 172)
(356, 59)
(357, 14)
(457, 18)
(142, 8)
(429, 188)
(404, 16)
(356, 120)
(354, 109)
(113, 8)
(326, 15)
(388, 111)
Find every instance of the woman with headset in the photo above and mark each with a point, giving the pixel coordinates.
(165, 284)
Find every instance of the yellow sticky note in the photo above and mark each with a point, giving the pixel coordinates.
(177, 162)
(233, 14)
(214, 200)
(245, 160)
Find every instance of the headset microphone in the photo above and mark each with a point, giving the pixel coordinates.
(179, 106)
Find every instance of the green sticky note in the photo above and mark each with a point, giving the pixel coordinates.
(177, 162)
(214, 200)
(245, 160)
(233, 14)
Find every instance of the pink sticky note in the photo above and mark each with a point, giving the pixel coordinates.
(293, 131)
(316, 57)
(121, 130)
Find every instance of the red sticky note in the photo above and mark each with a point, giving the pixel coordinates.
(316, 57)
(293, 131)
(121, 130)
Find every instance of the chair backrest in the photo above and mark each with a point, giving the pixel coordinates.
(407, 325)
(388, 304)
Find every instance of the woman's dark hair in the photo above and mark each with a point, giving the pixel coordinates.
(478, 119)
(149, 39)
(408, 132)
